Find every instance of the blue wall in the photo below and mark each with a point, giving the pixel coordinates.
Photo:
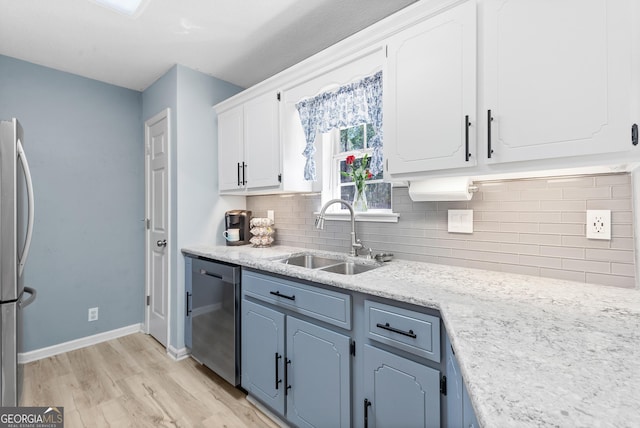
(84, 142)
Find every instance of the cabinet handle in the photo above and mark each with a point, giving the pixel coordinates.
(466, 138)
(238, 174)
(286, 376)
(215, 275)
(278, 356)
(284, 296)
(367, 403)
(386, 326)
(489, 120)
(634, 134)
(244, 180)
(188, 306)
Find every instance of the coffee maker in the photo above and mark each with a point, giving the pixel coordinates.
(238, 219)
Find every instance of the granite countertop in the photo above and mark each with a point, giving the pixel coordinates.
(533, 351)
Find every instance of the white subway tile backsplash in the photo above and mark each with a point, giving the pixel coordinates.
(613, 280)
(586, 266)
(624, 269)
(563, 228)
(609, 255)
(530, 226)
(607, 180)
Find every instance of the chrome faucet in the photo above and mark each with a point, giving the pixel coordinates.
(355, 243)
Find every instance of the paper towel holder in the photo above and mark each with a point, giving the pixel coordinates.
(435, 189)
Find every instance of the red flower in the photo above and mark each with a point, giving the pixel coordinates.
(369, 175)
(350, 159)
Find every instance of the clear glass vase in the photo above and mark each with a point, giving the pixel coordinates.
(360, 200)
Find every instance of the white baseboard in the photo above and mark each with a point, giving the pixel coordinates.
(177, 354)
(49, 351)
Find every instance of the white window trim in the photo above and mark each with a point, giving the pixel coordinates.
(337, 211)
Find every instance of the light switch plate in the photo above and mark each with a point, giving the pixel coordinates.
(460, 221)
(599, 224)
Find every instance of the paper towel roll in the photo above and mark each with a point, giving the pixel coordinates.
(441, 189)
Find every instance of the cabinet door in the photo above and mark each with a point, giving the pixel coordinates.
(454, 399)
(430, 91)
(262, 141)
(557, 77)
(263, 354)
(188, 286)
(469, 419)
(230, 149)
(319, 376)
(402, 393)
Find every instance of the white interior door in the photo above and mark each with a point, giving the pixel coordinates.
(157, 144)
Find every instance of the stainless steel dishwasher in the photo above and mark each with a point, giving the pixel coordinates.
(212, 322)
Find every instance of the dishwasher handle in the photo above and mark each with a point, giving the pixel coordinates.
(207, 273)
(188, 305)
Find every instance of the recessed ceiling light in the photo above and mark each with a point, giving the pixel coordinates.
(127, 7)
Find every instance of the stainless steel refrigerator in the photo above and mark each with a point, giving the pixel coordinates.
(16, 227)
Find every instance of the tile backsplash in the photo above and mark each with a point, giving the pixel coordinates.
(528, 226)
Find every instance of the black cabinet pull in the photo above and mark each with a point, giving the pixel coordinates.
(238, 173)
(284, 296)
(278, 356)
(287, 387)
(206, 273)
(188, 306)
(466, 138)
(489, 120)
(244, 179)
(634, 134)
(386, 326)
(367, 403)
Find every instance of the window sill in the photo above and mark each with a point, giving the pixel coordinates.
(368, 216)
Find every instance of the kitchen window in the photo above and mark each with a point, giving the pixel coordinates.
(355, 141)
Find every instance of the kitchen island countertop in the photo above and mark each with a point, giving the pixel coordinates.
(533, 351)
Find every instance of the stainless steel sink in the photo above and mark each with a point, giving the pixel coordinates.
(329, 264)
(310, 261)
(349, 268)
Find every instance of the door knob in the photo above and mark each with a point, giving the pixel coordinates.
(161, 243)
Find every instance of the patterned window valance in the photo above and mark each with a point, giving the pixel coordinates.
(349, 105)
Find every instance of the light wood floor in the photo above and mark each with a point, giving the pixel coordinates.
(131, 382)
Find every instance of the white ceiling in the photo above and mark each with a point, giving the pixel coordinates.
(240, 41)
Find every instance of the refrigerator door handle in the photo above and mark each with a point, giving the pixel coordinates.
(27, 302)
(27, 176)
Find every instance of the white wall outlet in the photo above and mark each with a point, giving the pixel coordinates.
(599, 224)
(270, 215)
(93, 314)
(460, 221)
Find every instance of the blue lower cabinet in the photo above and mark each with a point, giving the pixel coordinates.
(318, 375)
(399, 392)
(312, 376)
(263, 354)
(469, 419)
(454, 401)
(459, 410)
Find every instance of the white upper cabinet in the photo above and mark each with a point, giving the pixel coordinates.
(557, 78)
(230, 149)
(430, 94)
(249, 145)
(262, 141)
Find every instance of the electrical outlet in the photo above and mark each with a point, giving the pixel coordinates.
(599, 224)
(93, 314)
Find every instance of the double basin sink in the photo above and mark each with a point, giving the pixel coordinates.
(329, 264)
